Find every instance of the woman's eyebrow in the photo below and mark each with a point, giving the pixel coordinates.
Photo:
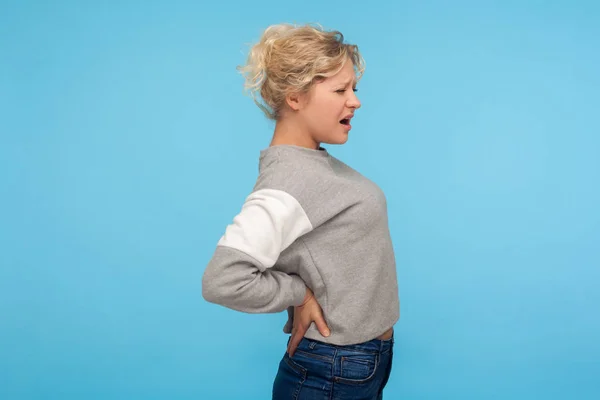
(347, 82)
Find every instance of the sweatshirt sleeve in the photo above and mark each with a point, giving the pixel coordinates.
(239, 274)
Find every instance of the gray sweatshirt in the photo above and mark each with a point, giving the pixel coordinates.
(313, 221)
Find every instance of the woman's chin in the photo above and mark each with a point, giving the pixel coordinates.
(338, 139)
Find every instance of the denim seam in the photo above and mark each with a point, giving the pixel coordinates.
(358, 360)
(314, 356)
(300, 370)
(361, 351)
(335, 351)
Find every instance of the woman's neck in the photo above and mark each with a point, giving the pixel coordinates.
(288, 132)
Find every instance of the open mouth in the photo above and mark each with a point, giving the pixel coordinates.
(345, 121)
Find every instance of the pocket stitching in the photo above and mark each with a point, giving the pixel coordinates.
(295, 366)
(358, 381)
(315, 356)
(358, 360)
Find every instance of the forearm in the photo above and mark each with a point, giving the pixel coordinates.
(234, 280)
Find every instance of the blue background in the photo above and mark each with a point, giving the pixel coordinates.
(127, 145)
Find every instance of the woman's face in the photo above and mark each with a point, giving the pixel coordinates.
(329, 107)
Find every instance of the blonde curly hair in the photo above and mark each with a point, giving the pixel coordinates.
(290, 58)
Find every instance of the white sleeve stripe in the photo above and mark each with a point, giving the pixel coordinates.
(270, 221)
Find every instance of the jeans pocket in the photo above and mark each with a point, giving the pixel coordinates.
(357, 368)
(289, 380)
(297, 368)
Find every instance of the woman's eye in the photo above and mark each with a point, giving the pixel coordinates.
(344, 90)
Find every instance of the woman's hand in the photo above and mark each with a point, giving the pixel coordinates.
(304, 315)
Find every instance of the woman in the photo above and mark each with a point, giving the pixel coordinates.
(312, 237)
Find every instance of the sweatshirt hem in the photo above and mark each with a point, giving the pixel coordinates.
(340, 340)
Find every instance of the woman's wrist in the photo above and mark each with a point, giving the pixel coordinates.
(307, 297)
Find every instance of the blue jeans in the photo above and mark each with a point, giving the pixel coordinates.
(320, 371)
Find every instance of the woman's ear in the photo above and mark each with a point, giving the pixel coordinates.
(296, 101)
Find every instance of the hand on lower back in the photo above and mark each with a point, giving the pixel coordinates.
(304, 315)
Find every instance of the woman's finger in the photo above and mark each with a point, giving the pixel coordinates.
(295, 340)
(321, 324)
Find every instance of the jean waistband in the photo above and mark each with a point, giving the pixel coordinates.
(372, 346)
